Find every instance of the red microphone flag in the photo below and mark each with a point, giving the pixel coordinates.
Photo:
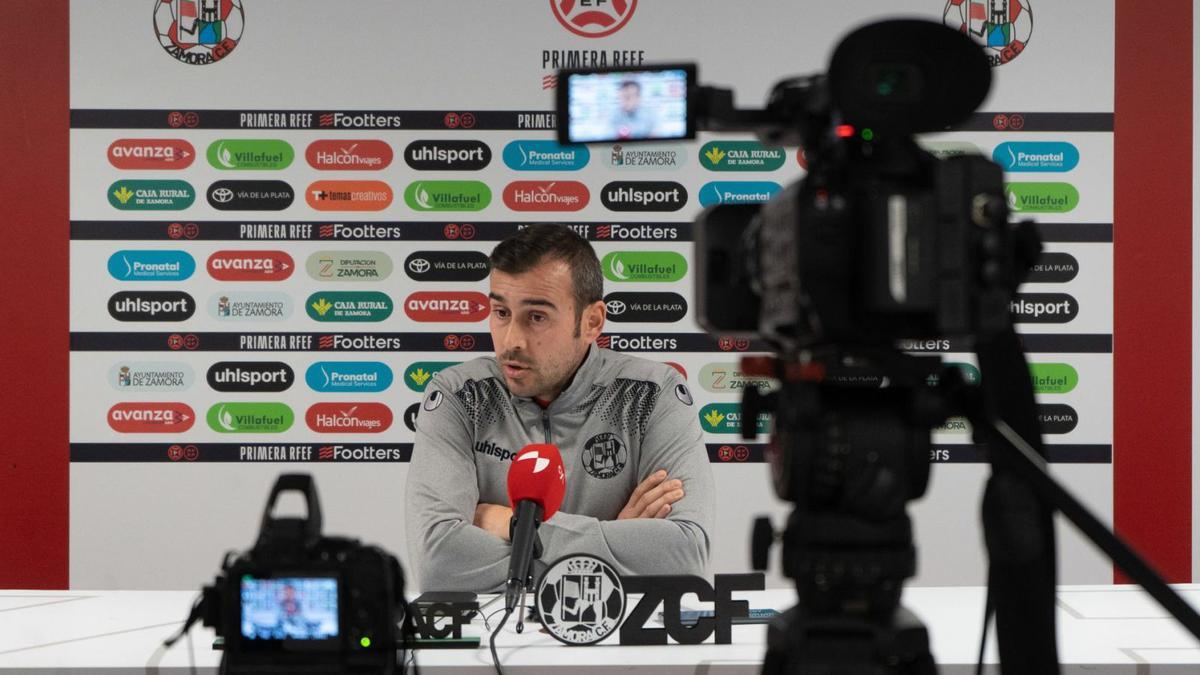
(537, 475)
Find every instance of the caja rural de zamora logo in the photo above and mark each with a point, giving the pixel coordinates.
(198, 32)
(1003, 26)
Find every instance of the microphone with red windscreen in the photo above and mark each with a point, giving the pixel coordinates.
(537, 483)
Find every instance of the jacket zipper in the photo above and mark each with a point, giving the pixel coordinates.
(546, 425)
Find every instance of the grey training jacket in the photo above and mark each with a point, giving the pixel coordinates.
(621, 419)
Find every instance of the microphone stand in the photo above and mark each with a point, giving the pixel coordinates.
(528, 527)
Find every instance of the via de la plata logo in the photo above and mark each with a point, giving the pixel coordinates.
(1003, 26)
(593, 18)
(199, 32)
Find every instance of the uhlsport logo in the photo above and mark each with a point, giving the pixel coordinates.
(1003, 26)
(1042, 156)
(1043, 308)
(151, 195)
(447, 195)
(447, 155)
(151, 306)
(1053, 378)
(645, 157)
(580, 599)
(250, 195)
(643, 196)
(630, 266)
(593, 18)
(1041, 197)
(537, 155)
(349, 195)
(250, 306)
(248, 154)
(418, 375)
(348, 376)
(645, 307)
(447, 306)
(737, 192)
(151, 153)
(250, 376)
(250, 418)
(546, 195)
(348, 306)
(250, 265)
(726, 418)
(349, 418)
(447, 266)
(151, 265)
(198, 32)
(349, 266)
(349, 155)
(151, 418)
(126, 376)
(741, 156)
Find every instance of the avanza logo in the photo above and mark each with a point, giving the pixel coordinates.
(593, 18)
(151, 153)
(546, 195)
(349, 195)
(151, 306)
(447, 155)
(349, 155)
(643, 196)
(151, 418)
(250, 265)
(447, 306)
(349, 418)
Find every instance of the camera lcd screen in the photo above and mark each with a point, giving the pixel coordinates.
(626, 105)
(289, 608)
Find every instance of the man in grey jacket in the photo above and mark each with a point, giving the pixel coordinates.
(639, 484)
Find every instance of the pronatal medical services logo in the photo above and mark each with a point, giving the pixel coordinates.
(593, 18)
(581, 600)
(198, 32)
(1003, 26)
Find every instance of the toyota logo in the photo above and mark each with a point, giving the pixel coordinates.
(222, 195)
(615, 307)
(418, 266)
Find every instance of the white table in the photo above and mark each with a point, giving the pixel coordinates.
(1102, 629)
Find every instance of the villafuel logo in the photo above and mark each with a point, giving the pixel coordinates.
(741, 156)
(151, 418)
(1054, 268)
(151, 306)
(349, 195)
(447, 195)
(198, 32)
(1036, 156)
(1003, 26)
(447, 266)
(418, 375)
(645, 307)
(250, 195)
(250, 418)
(250, 265)
(241, 306)
(151, 195)
(349, 155)
(244, 154)
(546, 195)
(631, 266)
(737, 192)
(130, 376)
(349, 418)
(250, 376)
(1041, 197)
(151, 154)
(726, 418)
(348, 376)
(348, 306)
(1053, 378)
(447, 155)
(1043, 308)
(643, 196)
(447, 306)
(349, 266)
(151, 265)
(545, 156)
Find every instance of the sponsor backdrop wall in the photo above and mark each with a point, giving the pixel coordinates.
(271, 253)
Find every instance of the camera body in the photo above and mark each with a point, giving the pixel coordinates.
(300, 602)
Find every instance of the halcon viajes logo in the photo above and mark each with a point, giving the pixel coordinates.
(546, 195)
(198, 32)
(1003, 26)
(349, 155)
(349, 418)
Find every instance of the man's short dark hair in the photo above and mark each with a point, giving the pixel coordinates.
(631, 83)
(547, 241)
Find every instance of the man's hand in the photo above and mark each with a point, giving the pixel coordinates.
(494, 518)
(653, 497)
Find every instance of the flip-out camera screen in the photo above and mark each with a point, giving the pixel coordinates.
(626, 105)
(289, 608)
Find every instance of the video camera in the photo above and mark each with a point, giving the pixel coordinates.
(300, 602)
